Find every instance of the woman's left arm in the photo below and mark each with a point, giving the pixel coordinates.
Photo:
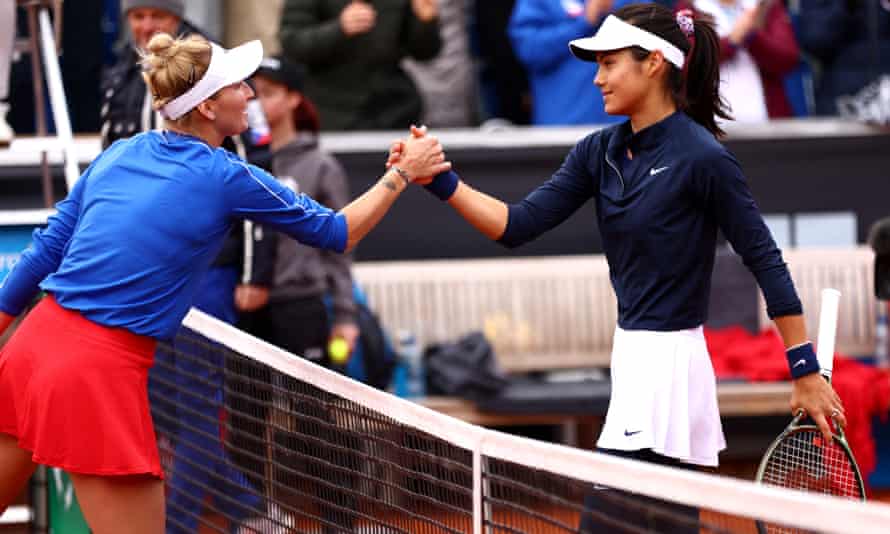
(721, 187)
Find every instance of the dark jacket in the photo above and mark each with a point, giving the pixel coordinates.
(126, 111)
(357, 82)
(301, 271)
(851, 39)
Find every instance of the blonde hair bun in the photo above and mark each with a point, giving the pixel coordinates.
(171, 66)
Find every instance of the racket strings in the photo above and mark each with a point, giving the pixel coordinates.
(804, 461)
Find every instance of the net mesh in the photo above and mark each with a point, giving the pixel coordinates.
(256, 441)
(246, 445)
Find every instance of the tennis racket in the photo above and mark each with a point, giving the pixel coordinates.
(800, 458)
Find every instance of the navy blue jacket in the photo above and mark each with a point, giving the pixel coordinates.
(658, 214)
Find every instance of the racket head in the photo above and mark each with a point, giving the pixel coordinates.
(800, 459)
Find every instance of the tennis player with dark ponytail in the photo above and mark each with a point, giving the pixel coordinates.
(663, 186)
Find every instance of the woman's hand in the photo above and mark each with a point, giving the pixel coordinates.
(419, 155)
(425, 10)
(814, 395)
(594, 10)
(745, 25)
(250, 298)
(357, 18)
(348, 332)
(395, 153)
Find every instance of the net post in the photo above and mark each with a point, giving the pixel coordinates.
(58, 103)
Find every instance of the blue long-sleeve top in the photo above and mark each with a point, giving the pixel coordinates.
(658, 213)
(130, 243)
(561, 85)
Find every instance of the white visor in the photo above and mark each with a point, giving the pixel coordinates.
(615, 34)
(226, 67)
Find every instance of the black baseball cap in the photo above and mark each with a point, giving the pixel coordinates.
(283, 71)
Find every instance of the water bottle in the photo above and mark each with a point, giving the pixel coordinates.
(881, 356)
(409, 350)
(258, 127)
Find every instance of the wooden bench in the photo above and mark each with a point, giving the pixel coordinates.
(546, 313)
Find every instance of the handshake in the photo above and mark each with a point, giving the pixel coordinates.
(420, 158)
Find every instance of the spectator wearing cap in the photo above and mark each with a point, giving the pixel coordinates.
(302, 275)
(126, 104)
(352, 50)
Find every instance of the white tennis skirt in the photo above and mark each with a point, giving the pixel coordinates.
(664, 396)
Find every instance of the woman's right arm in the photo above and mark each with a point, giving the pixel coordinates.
(514, 224)
(484, 212)
(253, 194)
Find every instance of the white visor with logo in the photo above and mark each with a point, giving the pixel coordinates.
(615, 34)
(226, 67)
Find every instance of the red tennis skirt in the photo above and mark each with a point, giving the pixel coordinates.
(75, 394)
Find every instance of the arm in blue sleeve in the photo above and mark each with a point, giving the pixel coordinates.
(254, 194)
(541, 31)
(553, 201)
(722, 187)
(45, 254)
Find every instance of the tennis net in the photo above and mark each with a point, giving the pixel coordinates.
(255, 440)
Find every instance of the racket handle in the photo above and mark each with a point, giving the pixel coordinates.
(827, 330)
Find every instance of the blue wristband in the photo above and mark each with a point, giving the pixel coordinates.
(443, 185)
(802, 360)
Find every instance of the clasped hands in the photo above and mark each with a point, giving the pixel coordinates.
(419, 155)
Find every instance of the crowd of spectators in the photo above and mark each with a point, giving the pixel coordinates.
(383, 64)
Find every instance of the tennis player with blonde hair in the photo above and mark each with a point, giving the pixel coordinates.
(120, 262)
(663, 186)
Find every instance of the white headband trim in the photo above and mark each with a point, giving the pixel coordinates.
(226, 67)
(615, 34)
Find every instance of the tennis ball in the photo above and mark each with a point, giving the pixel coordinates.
(338, 349)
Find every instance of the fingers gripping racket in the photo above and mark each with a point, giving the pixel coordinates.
(800, 458)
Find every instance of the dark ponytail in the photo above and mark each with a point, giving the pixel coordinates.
(696, 88)
(306, 118)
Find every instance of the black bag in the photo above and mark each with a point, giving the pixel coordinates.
(466, 368)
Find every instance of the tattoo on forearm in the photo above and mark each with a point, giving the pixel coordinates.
(389, 184)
